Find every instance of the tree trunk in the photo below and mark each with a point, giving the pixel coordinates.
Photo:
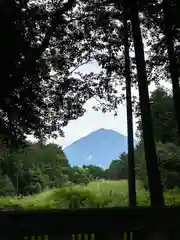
(131, 165)
(168, 31)
(154, 179)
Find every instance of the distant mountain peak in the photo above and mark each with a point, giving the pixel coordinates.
(106, 130)
(102, 129)
(99, 130)
(104, 145)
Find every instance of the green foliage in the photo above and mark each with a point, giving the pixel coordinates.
(164, 122)
(95, 194)
(41, 166)
(167, 145)
(166, 135)
(45, 43)
(85, 174)
(169, 155)
(169, 164)
(34, 168)
(6, 186)
(78, 198)
(78, 175)
(94, 172)
(118, 169)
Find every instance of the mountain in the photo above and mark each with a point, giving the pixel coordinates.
(98, 148)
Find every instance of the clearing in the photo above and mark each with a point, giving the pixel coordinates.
(99, 193)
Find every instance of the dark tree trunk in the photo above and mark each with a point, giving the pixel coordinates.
(154, 179)
(131, 165)
(168, 31)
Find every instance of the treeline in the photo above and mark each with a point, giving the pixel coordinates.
(167, 144)
(40, 166)
(32, 169)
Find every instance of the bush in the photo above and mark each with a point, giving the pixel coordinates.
(76, 198)
(33, 188)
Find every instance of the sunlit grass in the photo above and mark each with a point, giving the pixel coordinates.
(96, 194)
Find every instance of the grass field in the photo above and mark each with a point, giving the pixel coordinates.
(95, 194)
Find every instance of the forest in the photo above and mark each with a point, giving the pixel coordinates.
(44, 43)
(43, 168)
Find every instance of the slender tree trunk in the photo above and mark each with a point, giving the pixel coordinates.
(131, 165)
(17, 184)
(168, 31)
(155, 187)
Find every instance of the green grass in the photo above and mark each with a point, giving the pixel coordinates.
(95, 194)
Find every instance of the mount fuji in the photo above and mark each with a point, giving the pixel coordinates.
(98, 148)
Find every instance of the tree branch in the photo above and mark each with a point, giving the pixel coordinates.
(74, 69)
(54, 23)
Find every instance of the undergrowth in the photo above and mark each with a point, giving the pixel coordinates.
(95, 194)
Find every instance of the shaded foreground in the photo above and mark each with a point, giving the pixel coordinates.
(104, 223)
(89, 213)
(95, 194)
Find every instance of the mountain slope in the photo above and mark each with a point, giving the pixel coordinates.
(99, 148)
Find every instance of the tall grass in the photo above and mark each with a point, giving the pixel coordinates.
(95, 194)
